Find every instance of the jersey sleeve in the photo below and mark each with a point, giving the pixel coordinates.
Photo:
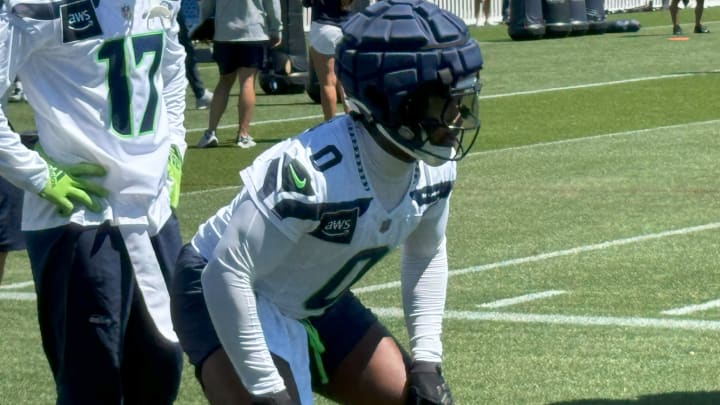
(174, 84)
(250, 246)
(286, 188)
(424, 267)
(22, 167)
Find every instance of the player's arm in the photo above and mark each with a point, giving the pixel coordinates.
(174, 85)
(64, 185)
(424, 269)
(274, 21)
(250, 247)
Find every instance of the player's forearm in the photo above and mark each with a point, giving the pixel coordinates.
(232, 307)
(424, 282)
(19, 165)
(175, 83)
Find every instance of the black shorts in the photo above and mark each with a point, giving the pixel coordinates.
(11, 202)
(340, 328)
(231, 56)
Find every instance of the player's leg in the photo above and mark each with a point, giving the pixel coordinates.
(213, 368)
(152, 365)
(83, 281)
(323, 40)
(324, 66)
(364, 363)
(486, 11)
(246, 101)
(699, 28)
(674, 8)
(11, 238)
(3, 258)
(250, 59)
(223, 54)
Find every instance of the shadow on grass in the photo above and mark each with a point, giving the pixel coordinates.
(670, 398)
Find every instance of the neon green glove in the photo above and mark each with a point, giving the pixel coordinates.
(66, 185)
(174, 170)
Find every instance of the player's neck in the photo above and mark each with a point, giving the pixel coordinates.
(389, 176)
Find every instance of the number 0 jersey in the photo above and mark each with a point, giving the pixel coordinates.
(106, 81)
(313, 188)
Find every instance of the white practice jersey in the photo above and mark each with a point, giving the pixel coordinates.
(106, 81)
(313, 188)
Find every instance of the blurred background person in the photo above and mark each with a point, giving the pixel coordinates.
(326, 18)
(203, 96)
(483, 5)
(674, 11)
(243, 30)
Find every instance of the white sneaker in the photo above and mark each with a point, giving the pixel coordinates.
(245, 141)
(17, 95)
(208, 140)
(203, 103)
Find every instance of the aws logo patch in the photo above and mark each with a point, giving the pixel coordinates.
(338, 226)
(79, 21)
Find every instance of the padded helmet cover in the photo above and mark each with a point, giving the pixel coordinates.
(395, 47)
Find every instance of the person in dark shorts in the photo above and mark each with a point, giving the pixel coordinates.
(243, 30)
(675, 11)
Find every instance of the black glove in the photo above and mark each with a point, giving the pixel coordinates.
(278, 398)
(427, 385)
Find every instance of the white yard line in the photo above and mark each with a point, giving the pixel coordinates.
(534, 145)
(557, 253)
(551, 255)
(17, 296)
(558, 319)
(14, 286)
(693, 308)
(491, 96)
(594, 137)
(591, 85)
(521, 299)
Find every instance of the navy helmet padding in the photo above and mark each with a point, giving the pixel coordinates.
(394, 47)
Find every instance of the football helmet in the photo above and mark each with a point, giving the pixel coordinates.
(411, 70)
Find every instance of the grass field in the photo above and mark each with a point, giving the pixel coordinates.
(584, 233)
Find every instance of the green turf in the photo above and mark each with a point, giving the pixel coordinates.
(594, 150)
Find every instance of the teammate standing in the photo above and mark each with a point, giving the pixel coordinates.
(106, 83)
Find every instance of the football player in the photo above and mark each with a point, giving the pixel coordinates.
(262, 301)
(106, 83)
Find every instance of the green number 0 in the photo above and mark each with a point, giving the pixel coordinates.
(114, 53)
(348, 274)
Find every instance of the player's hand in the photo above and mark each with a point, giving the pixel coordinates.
(278, 398)
(174, 173)
(427, 385)
(275, 41)
(67, 186)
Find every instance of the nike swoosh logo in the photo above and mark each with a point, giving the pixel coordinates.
(299, 183)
